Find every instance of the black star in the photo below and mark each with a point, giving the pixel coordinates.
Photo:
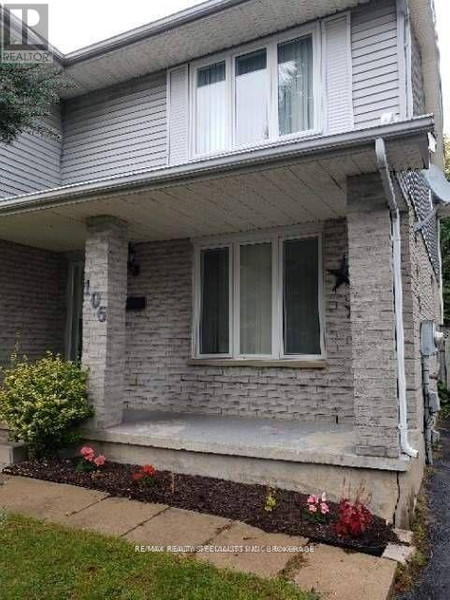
(341, 274)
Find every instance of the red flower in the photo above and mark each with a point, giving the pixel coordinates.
(149, 470)
(146, 473)
(354, 518)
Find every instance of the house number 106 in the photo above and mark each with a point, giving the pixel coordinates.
(95, 301)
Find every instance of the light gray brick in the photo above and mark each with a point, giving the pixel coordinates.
(104, 342)
(163, 331)
(372, 318)
(33, 286)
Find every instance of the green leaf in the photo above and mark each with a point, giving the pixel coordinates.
(44, 402)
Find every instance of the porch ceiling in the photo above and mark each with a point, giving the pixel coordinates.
(206, 201)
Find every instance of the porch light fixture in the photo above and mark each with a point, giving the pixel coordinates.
(133, 266)
(341, 274)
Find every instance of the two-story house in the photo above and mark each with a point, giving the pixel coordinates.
(236, 232)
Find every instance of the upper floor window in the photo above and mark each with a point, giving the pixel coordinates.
(247, 98)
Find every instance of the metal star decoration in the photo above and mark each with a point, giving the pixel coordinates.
(341, 274)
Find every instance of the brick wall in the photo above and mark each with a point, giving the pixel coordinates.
(159, 346)
(32, 300)
(373, 334)
(372, 318)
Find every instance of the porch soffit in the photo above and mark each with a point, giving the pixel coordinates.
(296, 190)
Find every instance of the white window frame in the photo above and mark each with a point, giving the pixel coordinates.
(233, 243)
(270, 44)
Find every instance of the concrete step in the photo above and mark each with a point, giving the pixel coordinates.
(11, 452)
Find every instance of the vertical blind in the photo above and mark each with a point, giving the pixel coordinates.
(301, 297)
(256, 298)
(255, 294)
(295, 86)
(252, 98)
(211, 109)
(214, 324)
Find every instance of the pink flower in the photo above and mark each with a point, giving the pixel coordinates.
(324, 508)
(312, 508)
(87, 451)
(100, 460)
(324, 497)
(313, 499)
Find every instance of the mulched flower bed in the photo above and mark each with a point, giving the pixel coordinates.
(228, 499)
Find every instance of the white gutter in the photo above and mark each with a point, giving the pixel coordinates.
(383, 167)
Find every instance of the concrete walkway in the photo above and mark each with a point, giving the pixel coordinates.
(225, 543)
(435, 581)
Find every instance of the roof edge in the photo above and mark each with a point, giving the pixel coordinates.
(172, 21)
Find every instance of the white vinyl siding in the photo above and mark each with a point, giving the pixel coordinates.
(32, 162)
(375, 63)
(417, 79)
(116, 131)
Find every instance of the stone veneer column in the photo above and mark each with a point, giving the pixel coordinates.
(372, 318)
(104, 303)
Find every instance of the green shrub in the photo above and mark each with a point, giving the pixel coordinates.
(444, 396)
(43, 402)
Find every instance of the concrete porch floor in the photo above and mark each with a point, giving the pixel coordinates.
(308, 457)
(313, 443)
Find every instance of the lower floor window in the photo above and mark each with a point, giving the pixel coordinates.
(259, 298)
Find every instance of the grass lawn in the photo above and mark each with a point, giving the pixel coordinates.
(41, 561)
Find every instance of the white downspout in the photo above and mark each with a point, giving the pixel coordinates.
(383, 168)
